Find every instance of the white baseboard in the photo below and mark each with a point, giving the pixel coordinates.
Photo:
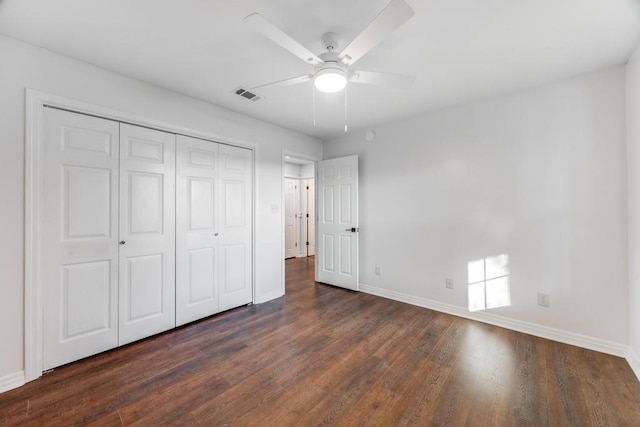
(634, 362)
(559, 335)
(12, 381)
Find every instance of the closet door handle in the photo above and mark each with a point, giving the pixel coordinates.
(215, 234)
(122, 242)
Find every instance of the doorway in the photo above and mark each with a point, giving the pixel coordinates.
(299, 210)
(299, 207)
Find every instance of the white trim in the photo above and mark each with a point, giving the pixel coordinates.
(11, 381)
(35, 102)
(32, 256)
(554, 334)
(634, 362)
(254, 206)
(42, 98)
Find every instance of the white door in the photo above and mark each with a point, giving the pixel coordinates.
(236, 188)
(197, 232)
(337, 224)
(291, 230)
(311, 217)
(79, 236)
(147, 232)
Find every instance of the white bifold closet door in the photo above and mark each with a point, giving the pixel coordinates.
(147, 232)
(235, 225)
(113, 269)
(197, 233)
(79, 255)
(213, 224)
(108, 238)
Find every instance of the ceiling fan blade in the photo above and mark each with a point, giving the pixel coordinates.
(267, 29)
(388, 79)
(394, 15)
(286, 82)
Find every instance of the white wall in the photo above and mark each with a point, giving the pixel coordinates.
(539, 175)
(308, 170)
(633, 182)
(291, 170)
(24, 66)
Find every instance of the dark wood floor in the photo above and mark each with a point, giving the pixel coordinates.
(324, 356)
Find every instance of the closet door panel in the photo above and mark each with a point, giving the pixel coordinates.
(147, 232)
(236, 174)
(197, 235)
(79, 236)
(143, 287)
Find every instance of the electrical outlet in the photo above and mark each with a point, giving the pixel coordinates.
(448, 282)
(543, 299)
(378, 271)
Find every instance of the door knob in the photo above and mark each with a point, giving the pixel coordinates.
(215, 234)
(352, 229)
(122, 242)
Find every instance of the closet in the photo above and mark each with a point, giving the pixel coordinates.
(143, 230)
(213, 242)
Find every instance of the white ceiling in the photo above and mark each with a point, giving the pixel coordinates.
(460, 50)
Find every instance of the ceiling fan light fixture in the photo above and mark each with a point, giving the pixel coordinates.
(330, 80)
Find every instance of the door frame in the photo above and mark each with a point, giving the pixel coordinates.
(35, 103)
(285, 153)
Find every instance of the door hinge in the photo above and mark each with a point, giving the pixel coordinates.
(296, 244)
(307, 243)
(307, 215)
(307, 187)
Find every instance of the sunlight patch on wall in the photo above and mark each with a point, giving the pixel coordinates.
(489, 283)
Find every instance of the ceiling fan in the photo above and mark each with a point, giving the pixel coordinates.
(332, 69)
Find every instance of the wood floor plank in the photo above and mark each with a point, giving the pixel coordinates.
(567, 405)
(323, 355)
(528, 402)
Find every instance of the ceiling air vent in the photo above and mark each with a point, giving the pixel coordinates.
(245, 93)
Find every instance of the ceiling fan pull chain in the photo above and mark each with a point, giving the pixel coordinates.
(345, 109)
(313, 107)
